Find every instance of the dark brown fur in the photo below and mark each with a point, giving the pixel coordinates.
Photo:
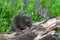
(21, 22)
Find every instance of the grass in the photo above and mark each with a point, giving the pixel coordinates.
(10, 8)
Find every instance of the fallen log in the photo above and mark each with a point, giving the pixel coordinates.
(38, 31)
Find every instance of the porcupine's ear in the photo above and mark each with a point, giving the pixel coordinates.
(21, 11)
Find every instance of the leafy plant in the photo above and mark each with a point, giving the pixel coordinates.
(9, 8)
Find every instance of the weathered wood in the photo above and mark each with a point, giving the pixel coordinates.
(58, 21)
(38, 31)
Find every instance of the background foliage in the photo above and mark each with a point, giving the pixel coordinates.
(9, 8)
